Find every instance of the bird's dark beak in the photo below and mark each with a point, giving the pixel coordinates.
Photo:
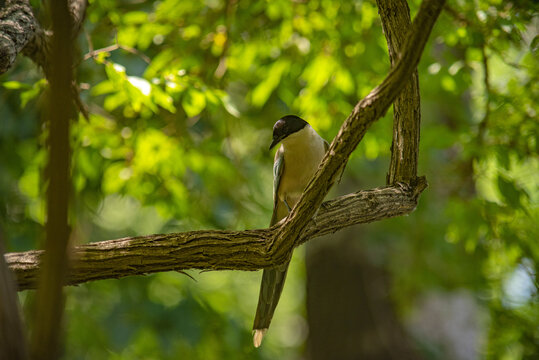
(274, 142)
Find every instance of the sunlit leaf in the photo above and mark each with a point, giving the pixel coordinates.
(29, 183)
(104, 87)
(32, 92)
(14, 85)
(114, 101)
(135, 17)
(263, 90)
(141, 84)
(193, 102)
(162, 99)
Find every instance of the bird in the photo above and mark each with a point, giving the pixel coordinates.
(296, 161)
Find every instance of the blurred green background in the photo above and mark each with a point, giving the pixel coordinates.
(181, 114)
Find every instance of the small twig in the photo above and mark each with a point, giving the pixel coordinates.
(486, 80)
(229, 15)
(89, 41)
(186, 274)
(463, 20)
(94, 53)
(136, 52)
(78, 101)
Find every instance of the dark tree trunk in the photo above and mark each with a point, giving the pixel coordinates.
(12, 339)
(350, 313)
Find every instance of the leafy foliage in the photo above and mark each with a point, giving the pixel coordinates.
(182, 96)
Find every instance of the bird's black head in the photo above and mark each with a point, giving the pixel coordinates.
(285, 126)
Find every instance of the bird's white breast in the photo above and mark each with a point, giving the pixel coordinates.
(303, 152)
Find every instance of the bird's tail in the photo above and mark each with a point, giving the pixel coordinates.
(270, 292)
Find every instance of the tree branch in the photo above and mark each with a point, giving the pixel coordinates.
(17, 27)
(483, 124)
(215, 249)
(396, 23)
(77, 10)
(20, 31)
(366, 112)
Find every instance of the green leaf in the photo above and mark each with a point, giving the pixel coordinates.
(13, 85)
(161, 61)
(141, 84)
(104, 87)
(448, 83)
(344, 82)
(509, 191)
(319, 71)
(114, 100)
(112, 181)
(162, 99)
(29, 182)
(263, 91)
(135, 17)
(116, 73)
(193, 102)
(32, 92)
(534, 44)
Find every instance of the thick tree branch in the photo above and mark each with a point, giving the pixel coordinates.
(396, 23)
(77, 10)
(17, 27)
(368, 110)
(215, 249)
(20, 31)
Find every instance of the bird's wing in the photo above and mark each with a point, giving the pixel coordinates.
(326, 145)
(272, 279)
(279, 208)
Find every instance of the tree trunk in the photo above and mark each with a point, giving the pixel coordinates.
(350, 312)
(12, 339)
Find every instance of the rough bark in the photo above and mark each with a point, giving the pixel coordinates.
(215, 249)
(395, 16)
(21, 32)
(17, 27)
